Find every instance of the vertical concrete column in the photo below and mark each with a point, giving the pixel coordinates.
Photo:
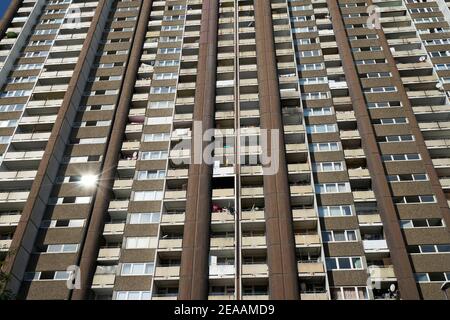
(30, 221)
(414, 125)
(283, 274)
(194, 272)
(400, 259)
(91, 244)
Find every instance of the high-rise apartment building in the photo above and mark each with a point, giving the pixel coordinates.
(331, 170)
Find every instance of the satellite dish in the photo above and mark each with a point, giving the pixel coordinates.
(422, 58)
(392, 288)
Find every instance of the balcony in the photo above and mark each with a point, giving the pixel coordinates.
(301, 190)
(254, 242)
(222, 270)
(310, 267)
(304, 214)
(354, 153)
(103, 282)
(222, 193)
(364, 196)
(359, 173)
(313, 296)
(175, 195)
(5, 245)
(113, 231)
(13, 200)
(247, 192)
(173, 218)
(222, 217)
(17, 179)
(177, 174)
(109, 255)
(256, 297)
(251, 170)
(123, 184)
(307, 239)
(252, 215)
(166, 273)
(369, 219)
(445, 183)
(221, 297)
(385, 273)
(118, 205)
(255, 270)
(374, 246)
(170, 244)
(350, 135)
(299, 168)
(222, 243)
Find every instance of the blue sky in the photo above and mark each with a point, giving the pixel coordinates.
(3, 6)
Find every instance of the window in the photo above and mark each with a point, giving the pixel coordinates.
(141, 242)
(422, 223)
(137, 269)
(15, 93)
(321, 128)
(380, 89)
(165, 76)
(47, 275)
(161, 104)
(401, 157)
(154, 155)
(402, 138)
(70, 200)
(315, 95)
(133, 295)
(73, 223)
(310, 53)
(344, 263)
(12, 107)
(429, 248)
(147, 195)
(415, 199)
(337, 187)
(324, 111)
(328, 166)
(326, 146)
(433, 277)
(62, 248)
(150, 137)
(335, 211)
(339, 236)
(312, 66)
(390, 104)
(407, 177)
(159, 120)
(390, 121)
(151, 175)
(144, 218)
